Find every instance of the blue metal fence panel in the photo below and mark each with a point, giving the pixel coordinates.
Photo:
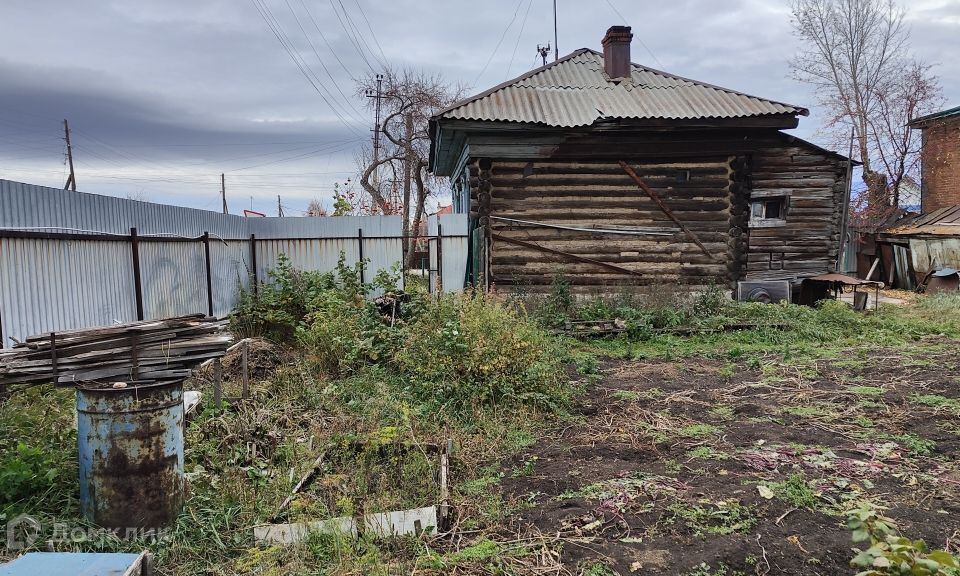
(49, 285)
(58, 284)
(452, 246)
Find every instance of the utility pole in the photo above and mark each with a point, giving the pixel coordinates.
(72, 179)
(544, 51)
(378, 94)
(407, 181)
(556, 42)
(223, 192)
(279, 207)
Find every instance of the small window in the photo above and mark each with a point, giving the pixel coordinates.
(768, 212)
(683, 176)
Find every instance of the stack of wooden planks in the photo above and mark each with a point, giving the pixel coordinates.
(157, 350)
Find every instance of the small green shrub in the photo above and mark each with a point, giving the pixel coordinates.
(465, 351)
(26, 471)
(891, 554)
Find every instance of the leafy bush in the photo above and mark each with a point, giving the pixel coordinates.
(467, 351)
(26, 471)
(451, 354)
(279, 305)
(889, 553)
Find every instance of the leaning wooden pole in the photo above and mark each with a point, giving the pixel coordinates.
(666, 210)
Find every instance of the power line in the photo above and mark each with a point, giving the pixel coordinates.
(330, 152)
(305, 69)
(325, 41)
(499, 42)
(639, 38)
(359, 35)
(267, 15)
(319, 59)
(350, 38)
(523, 24)
(370, 28)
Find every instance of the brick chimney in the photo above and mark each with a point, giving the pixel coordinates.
(616, 52)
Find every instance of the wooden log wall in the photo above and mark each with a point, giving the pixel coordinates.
(582, 185)
(587, 194)
(809, 242)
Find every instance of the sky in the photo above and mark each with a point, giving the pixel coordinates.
(163, 96)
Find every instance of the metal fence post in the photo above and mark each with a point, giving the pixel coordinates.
(360, 245)
(137, 281)
(439, 257)
(206, 252)
(253, 264)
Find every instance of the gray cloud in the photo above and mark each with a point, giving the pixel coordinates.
(165, 95)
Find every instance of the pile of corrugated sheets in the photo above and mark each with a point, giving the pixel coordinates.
(156, 350)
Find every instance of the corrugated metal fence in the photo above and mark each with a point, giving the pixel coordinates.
(74, 260)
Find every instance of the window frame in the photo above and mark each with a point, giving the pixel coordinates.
(764, 203)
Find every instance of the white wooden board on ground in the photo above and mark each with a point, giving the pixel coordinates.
(398, 523)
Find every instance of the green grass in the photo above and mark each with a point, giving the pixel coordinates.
(699, 431)
(723, 412)
(803, 411)
(795, 491)
(937, 401)
(707, 453)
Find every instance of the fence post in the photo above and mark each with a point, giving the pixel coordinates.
(206, 252)
(439, 257)
(217, 383)
(360, 245)
(137, 281)
(245, 368)
(253, 264)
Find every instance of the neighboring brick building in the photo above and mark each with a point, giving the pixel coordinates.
(941, 159)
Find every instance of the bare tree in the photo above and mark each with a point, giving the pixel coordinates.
(315, 209)
(410, 98)
(856, 55)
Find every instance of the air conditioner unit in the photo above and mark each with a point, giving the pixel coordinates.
(766, 291)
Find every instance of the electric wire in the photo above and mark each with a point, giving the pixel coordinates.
(499, 42)
(351, 39)
(523, 24)
(277, 31)
(361, 37)
(639, 39)
(370, 28)
(320, 59)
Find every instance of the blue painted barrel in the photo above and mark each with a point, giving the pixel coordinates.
(131, 454)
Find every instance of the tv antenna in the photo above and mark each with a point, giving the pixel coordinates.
(544, 51)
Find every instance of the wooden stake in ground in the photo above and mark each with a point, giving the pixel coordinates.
(306, 479)
(244, 367)
(217, 383)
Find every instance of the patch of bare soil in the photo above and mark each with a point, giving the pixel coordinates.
(671, 466)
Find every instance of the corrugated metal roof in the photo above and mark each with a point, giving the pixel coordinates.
(942, 222)
(575, 91)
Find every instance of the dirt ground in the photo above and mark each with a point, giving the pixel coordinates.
(719, 467)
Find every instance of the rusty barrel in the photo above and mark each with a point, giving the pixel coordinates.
(131, 454)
